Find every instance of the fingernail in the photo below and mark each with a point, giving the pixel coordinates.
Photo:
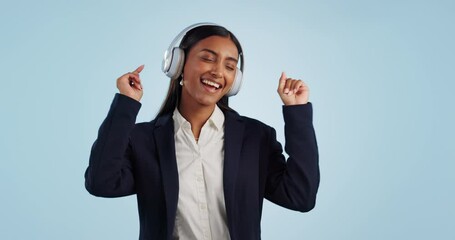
(286, 90)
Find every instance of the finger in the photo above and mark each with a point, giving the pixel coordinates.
(135, 82)
(136, 85)
(139, 69)
(292, 85)
(135, 76)
(282, 82)
(126, 75)
(298, 86)
(287, 87)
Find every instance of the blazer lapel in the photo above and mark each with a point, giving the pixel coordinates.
(164, 139)
(233, 138)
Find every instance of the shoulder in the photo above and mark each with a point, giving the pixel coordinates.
(250, 124)
(253, 122)
(148, 128)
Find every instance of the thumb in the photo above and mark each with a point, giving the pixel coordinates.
(282, 81)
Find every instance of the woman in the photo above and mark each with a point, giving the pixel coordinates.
(200, 170)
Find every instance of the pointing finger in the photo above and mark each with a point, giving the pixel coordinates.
(139, 69)
(282, 82)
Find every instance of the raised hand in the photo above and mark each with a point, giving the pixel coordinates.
(292, 91)
(129, 84)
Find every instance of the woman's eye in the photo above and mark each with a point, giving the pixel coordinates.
(207, 59)
(230, 68)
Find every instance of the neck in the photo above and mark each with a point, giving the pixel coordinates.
(196, 115)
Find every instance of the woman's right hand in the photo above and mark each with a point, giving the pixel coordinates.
(129, 84)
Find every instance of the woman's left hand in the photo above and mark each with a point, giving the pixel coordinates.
(293, 91)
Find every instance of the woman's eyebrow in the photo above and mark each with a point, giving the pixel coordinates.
(216, 54)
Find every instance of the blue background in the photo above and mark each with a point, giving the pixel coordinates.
(381, 79)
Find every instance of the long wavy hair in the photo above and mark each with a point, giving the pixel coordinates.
(191, 38)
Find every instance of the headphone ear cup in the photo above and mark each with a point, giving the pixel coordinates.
(236, 84)
(176, 63)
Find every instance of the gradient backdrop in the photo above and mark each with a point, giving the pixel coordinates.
(381, 75)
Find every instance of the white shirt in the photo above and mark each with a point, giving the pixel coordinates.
(201, 211)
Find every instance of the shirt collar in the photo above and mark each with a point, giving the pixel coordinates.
(215, 120)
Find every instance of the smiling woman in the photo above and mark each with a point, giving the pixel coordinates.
(192, 38)
(208, 75)
(199, 169)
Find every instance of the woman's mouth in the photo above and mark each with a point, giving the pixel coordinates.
(211, 86)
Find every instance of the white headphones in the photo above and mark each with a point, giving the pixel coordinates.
(174, 59)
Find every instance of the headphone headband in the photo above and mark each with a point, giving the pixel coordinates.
(176, 43)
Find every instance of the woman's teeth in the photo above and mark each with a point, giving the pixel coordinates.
(210, 83)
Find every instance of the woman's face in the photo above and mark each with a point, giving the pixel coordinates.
(209, 70)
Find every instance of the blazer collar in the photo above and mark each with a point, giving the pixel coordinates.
(233, 141)
(165, 145)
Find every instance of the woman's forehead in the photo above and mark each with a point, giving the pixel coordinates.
(217, 45)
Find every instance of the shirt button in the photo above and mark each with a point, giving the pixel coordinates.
(199, 179)
(202, 206)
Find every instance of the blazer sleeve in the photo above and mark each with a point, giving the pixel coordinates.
(294, 183)
(110, 173)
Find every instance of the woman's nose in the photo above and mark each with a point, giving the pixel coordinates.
(216, 70)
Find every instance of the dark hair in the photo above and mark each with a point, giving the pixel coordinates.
(190, 39)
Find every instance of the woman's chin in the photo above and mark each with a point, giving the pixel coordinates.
(203, 98)
(208, 101)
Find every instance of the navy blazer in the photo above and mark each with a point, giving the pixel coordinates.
(129, 158)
